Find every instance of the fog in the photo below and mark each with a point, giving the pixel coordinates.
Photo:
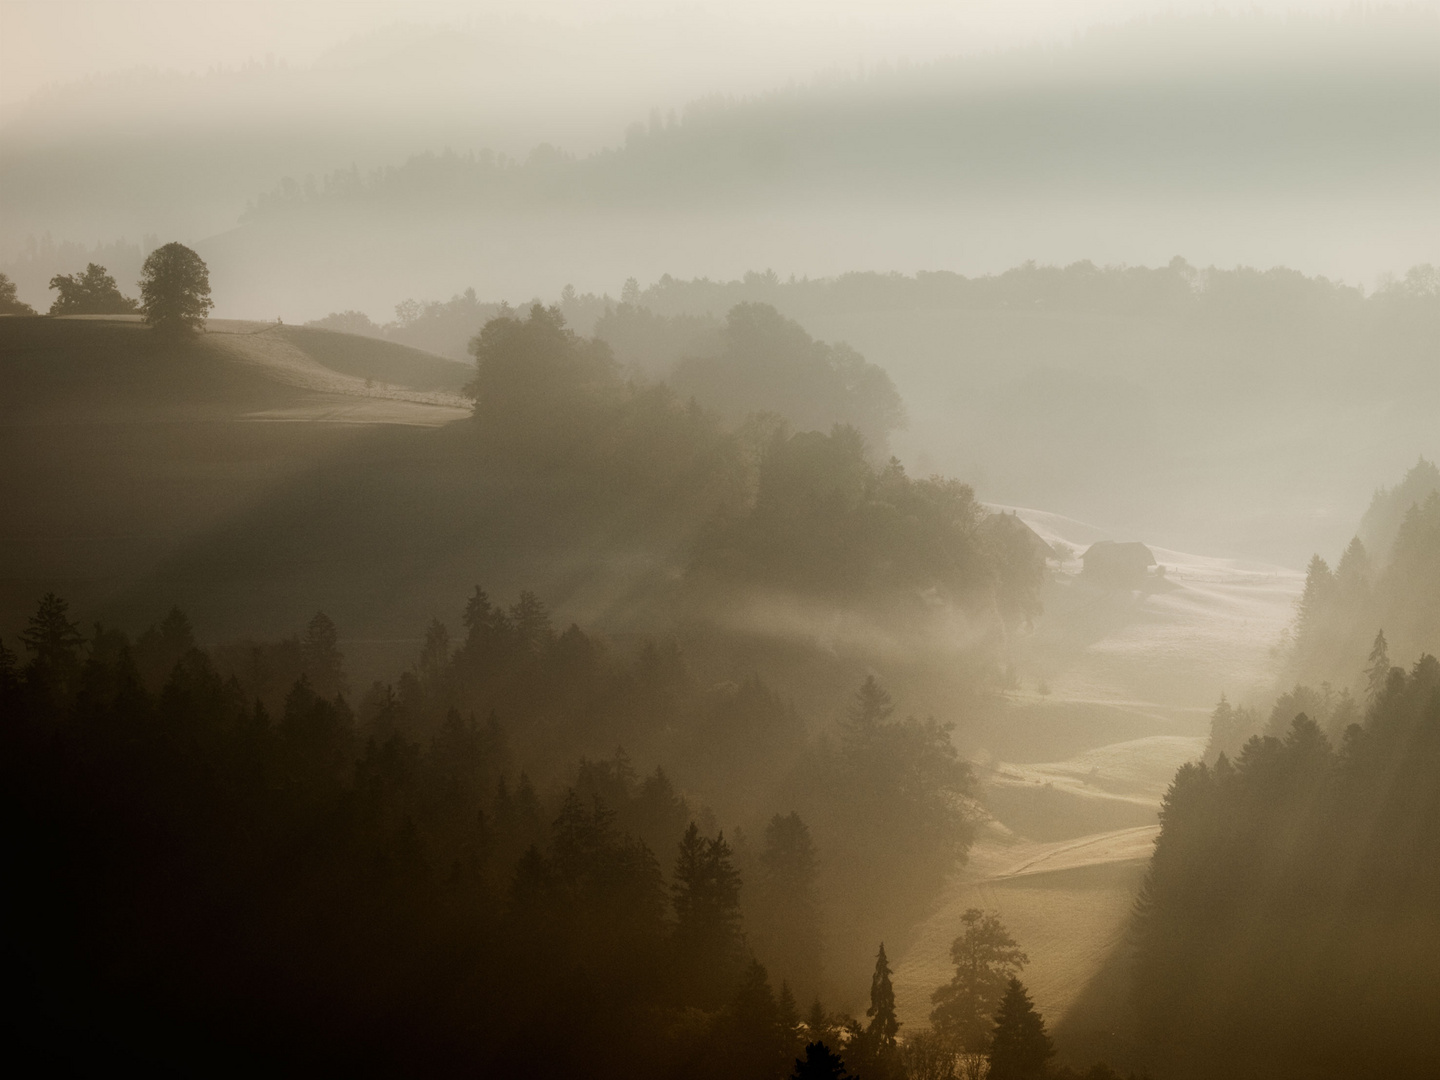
(771, 541)
(1301, 137)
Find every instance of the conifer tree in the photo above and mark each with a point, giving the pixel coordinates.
(1020, 1046)
(54, 639)
(1377, 670)
(532, 623)
(8, 679)
(320, 653)
(1222, 725)
(883, 1025)
(1315, 600)
(872, 706)
(752, 1041)
(817, 1024)
(820, 1063)
(786, 910)
(875, 1052)
(480, 621)
(787, 1015)
(706, 897)
(435, 654)
(1352, 574)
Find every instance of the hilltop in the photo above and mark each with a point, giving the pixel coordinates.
(121, 448)
(115, 368)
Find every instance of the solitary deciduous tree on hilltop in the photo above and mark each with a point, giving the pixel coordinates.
(175, 289)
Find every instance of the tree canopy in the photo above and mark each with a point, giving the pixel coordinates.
(768, 362)
(986, 958)
(10, 302)
(175, 289)
(92, 292)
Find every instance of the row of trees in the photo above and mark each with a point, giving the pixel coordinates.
(670, 319)
(174, 291)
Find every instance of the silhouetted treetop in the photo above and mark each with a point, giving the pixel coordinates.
(769, 362)
(92, 292)
(10, 302)
(1019, 1046)
(986, 958)
(820, 1063)
(175, 289)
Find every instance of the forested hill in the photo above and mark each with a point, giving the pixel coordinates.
(664, 321)
(114, 367)
(1381, 598)
(120, 448)
(1346, 107)
(383, 842)
(1125, 395)
(635, 510)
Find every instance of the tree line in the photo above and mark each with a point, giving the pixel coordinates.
(174, 291)
(655, 326)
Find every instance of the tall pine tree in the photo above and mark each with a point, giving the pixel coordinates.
(706, 896)
(1020, 1046)
(878, 1054)
(1377, 670)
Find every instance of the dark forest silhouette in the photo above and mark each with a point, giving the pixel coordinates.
(234, 851)
(248, 876)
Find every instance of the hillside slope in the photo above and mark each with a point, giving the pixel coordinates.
(120, 448)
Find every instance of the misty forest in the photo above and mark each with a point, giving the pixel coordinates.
(756, 542)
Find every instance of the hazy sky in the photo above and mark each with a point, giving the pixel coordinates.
(48, 42)
(369, 84)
